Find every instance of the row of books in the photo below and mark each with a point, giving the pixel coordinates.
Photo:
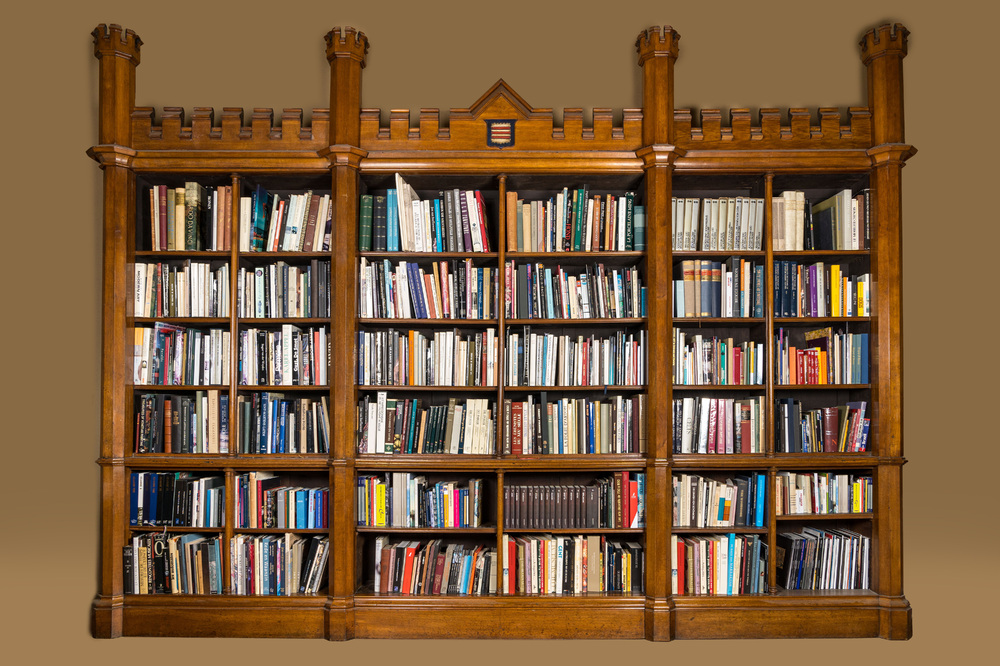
(434, 568)
(840, 222)
(575, 221)
(299, 222)
(536, 291)
(836, 429)
(176, 498)
(289, 356)
(174, 423)
(264, 501)
(738, 501)
(272, 422)
(403, 499)
(172, 355)
(547, 359)
(718, 564)
(615, 502)
(731, 288)
(816, 559)
(723, 223)
(827, 358)
(399, 221)
(718, 425)
(185, 289)
(413, 358)
(565, 565)
(820, 290)
(283, 290)
(700, 360)
(390, 425)
(454, 289)
(188, 218)
(278, 564)
(538, 425)
(182, 564)
(822, 493)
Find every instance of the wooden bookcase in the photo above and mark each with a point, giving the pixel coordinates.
(656, 151)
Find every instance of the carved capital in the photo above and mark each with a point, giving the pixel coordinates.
(891, 153)
(884, 40)
(111, 40)
(112, 155)
(344, 155)
(657, 42)
(659, 155)
(346, 43)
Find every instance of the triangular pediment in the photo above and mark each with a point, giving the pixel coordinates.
(500, 101)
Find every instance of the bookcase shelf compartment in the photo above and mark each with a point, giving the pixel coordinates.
(656, 152)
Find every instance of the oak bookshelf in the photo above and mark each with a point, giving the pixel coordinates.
(657, 152)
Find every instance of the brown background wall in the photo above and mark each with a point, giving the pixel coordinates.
(437, 54)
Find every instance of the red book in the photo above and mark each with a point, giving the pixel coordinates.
(633, 502)
(438, 573)
(482, 221)
(411, 551)
(517, 419)
(745, 432)
(714, 423)
(511, 566)
(680, 555)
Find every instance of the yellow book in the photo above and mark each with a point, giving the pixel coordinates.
(835, 289)
(380, 505)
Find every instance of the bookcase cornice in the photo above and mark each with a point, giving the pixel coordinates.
(834, 132)
(262, 133)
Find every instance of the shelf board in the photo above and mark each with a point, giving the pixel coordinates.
(683, 461)
(719, 530)
(182, 254)
(601, 256)
(825, 516)
(719, 387)
(715, 254)
(458, 462)
(280, 530)
(426, 530)
(727, 321)
(284, 255)
(420, 389)
(409, 256)
(560, 389)
(388, 321)
(280, 388)
(627, 531)
(175, 529)
(820, 320)
(806, 254)
(185, 321)
(221, 461)
(623, 321)
(821, 387)
(173, 388)
(781, 460)
(271, 321)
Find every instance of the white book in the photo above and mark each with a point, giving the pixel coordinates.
(750, 228)
(706, 225)
(475, 223)
(405, 196)
(694, 206)
(417, 214)
(379, 443)
(739, 223)
(758, 236)
(676, 223)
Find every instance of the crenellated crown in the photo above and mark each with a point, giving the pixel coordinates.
(112, 39)
(346, 43)
(884, 39)
(657, 41)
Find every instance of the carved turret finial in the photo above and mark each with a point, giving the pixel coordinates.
(346, 43)
(111, 39)
(657, 41)
(884, 39)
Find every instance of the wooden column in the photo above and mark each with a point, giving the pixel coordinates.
(345, 50)
(118, 53)
(657, 49)
(882, 51)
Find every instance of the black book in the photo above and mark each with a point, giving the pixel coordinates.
(379, 223)
(159, 547)
(127, 570)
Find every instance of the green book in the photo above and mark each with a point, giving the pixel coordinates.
(365, 222)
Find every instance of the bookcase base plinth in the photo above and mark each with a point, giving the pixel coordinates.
(796, 616)
(340, 619)
(230, 617)
(895, 619)
(526, 617)
(659, 620)
(106, 617)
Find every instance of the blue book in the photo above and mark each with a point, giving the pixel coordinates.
(549, 305)
(311, 515)
(641, 487)
(591, 439)
(864, 358)
(466, 573)
(301, 507)
(282, 424)
(392, 222)
(759, 500)
(416, 290)
(153, 488)
(480, 300)
(758, 291)
(730, 564)
(133, 500)
(438, 227)
(559, 429)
